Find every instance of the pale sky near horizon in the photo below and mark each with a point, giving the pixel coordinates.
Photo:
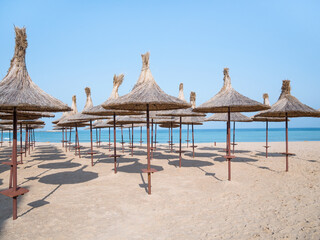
(75, 44)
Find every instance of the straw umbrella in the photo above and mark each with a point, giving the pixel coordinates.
(229, 100)
(193, 121)
(147, 96)
(234, 117)
(65, 123)
(18, 92)
(255, 118)
(82, 118)
(289, 106)
(100, 111)
(188, 112)
(104, 124)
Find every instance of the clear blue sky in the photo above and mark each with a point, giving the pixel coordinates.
(74, 44)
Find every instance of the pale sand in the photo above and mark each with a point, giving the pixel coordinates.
(195, 202)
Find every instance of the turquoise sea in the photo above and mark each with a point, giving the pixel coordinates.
(201, 135)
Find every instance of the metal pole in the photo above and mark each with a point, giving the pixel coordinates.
(187, 135)
(62, 130)
(171, 138)
(109, 140)
(115, 142)
(180, 142)
(66, 133)
(21, 152)
(267, 139)
(1, 136)
(148, 151)
(91, 153)
(140, 136)
(155, 137)
(29, 137)
(151, 138)
(192, 140)
(132, 142)
(69, 143)
(99, 136)
(228, 148)
(122, 138)
(287, 145)
(26, 142)
(234, 135)
(14, 162)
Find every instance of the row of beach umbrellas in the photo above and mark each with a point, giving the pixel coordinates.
(21, 99)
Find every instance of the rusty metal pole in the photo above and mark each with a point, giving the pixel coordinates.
(14, 162)
(66, 145)
(171, 138)
(91, 153)
(26, 142)
(234, 135)
(9, 138)
(115, 142)
(151, 138)
(69, 143)
(99, 136)
(180, 142)
(109, 140)
(29, 144)
(122, 138)
(192, 141)
(62, 130)
(140, 136)
(148, 151)
(229, 147)
(155, 136)
(132, 142)
(267, 139)
(1, 136)
(287, 145)
(21, 151)
(78, 141)
(187, 136)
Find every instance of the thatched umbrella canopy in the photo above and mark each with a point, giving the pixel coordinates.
(256, 118)
(81, 118)
(147, 96)
(100, 111)
(24, 115)
(288, 106)
(229, 100)
(18, 92)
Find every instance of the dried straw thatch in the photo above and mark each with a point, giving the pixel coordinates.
(187, 112)
(21, 115)
(146, 92)
(80, 117)
(230, 98)
(255, 118)
(23, 122)
(288, 105)
(64, 121)
(18, 90)
(100, 111)
(234, 117)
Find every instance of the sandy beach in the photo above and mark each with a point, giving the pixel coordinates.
(69, 199)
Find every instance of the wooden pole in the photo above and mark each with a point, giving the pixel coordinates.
(148, 151)
(287, 145)
(115, 142)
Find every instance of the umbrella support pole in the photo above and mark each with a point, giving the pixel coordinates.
(66, 145)
(234, 136)
(229, 156)
(1, 137)
(122, 142)
(115, 156)
(152, 138)
(171, 138)
(132, 141)
(149, 170)
(26, 142)
(287, 145)
(21, 148)
(193, 146)
(91, 147)
(62, 130)
(69, 143)
(180, 142)
(14, 191)
(266, 146)
(99, 136)
(187, 136)
(141, 137)
(155, 137)
(109, 141)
